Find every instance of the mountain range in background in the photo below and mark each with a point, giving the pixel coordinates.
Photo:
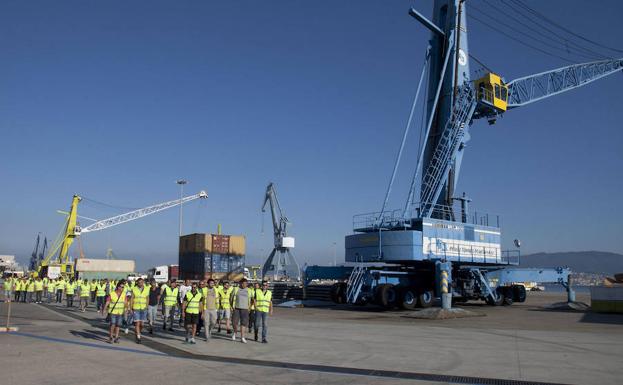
(599, 262)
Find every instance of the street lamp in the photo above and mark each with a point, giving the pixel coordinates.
(334, 254)
(181, 182)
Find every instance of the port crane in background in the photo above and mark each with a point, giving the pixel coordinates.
(37, 256)
(58, 255)
(429, 248)
(280, 264)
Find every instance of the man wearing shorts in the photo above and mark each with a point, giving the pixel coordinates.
(193, 302)
(140, 295)
(225, 301)
(241, 302)
(116, 304)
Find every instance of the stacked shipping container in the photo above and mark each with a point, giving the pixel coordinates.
(217, 256)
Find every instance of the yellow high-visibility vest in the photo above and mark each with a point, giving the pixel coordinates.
(100, 290)
(30, 286)
(84, 289)
(192, 302)
(139, 296)
(262, 300)
(170, 296)
(120, 303)
(226, 298)
(70, 288)
(38, 285)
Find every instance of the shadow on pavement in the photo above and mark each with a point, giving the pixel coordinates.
(95, 335)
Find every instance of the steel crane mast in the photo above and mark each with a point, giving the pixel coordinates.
(280, 264)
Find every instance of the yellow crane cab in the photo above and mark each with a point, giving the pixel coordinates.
(492, 91)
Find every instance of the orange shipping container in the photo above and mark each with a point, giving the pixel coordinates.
(237, 245)
(203, 243)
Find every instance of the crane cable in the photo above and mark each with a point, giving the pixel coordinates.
(404, 138)
(486, 24)
(555, 24)
(540, 39)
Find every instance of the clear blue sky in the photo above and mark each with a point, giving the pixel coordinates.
(115, 100)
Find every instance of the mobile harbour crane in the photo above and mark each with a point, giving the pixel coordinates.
(429, 249)
(58, 258)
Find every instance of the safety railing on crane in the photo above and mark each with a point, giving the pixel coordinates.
(401, 219)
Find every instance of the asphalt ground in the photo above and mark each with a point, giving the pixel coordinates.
(524, 343)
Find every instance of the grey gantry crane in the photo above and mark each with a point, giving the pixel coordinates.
(281, 264)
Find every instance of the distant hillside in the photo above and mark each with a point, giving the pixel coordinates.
(578, 261)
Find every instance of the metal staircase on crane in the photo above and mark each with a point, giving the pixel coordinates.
(355, 282)
(448, 144)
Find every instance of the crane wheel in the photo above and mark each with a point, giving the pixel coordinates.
(386, 296)
(499, 300)
(519, 293)
(508, 296)
(425, 299)
(408, 298)
(338, 293)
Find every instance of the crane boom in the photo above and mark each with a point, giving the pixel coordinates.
(275, 210)
(136, 214)
(539, 86)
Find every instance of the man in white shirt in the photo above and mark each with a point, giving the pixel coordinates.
(183, 289)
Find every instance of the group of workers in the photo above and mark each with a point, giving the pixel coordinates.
(198, 305)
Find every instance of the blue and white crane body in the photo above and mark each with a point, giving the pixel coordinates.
(431, 248)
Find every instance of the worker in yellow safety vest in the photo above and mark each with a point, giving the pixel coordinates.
(263, 307)
(116, 305)
(210, 307)
(30, 289)
(70, 291)
(252, 312)
(7, 287)
(51, 290)
(225, 309)
(93, 289)
(17, 289)
(60, 287)
(191, 307)
(45, 281)
(138, 302)
(38, 290)
(169, 304)
(100, 295)
(85, 292)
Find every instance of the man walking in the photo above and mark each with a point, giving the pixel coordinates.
(169, 303)
(252, 289)
(152, 305)
(60, 287)
(84, 294)
(116, 305)
(263, 307)
(70, 291)
(183, 289)
(241, 302)
(38, 290)
(7, 285)
(210, 312)
(225, 301)
(140, 296)
(30, 289)
(193, 301)
(100, 295)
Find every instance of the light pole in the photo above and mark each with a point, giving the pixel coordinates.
(334, 254)
(181, 182)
